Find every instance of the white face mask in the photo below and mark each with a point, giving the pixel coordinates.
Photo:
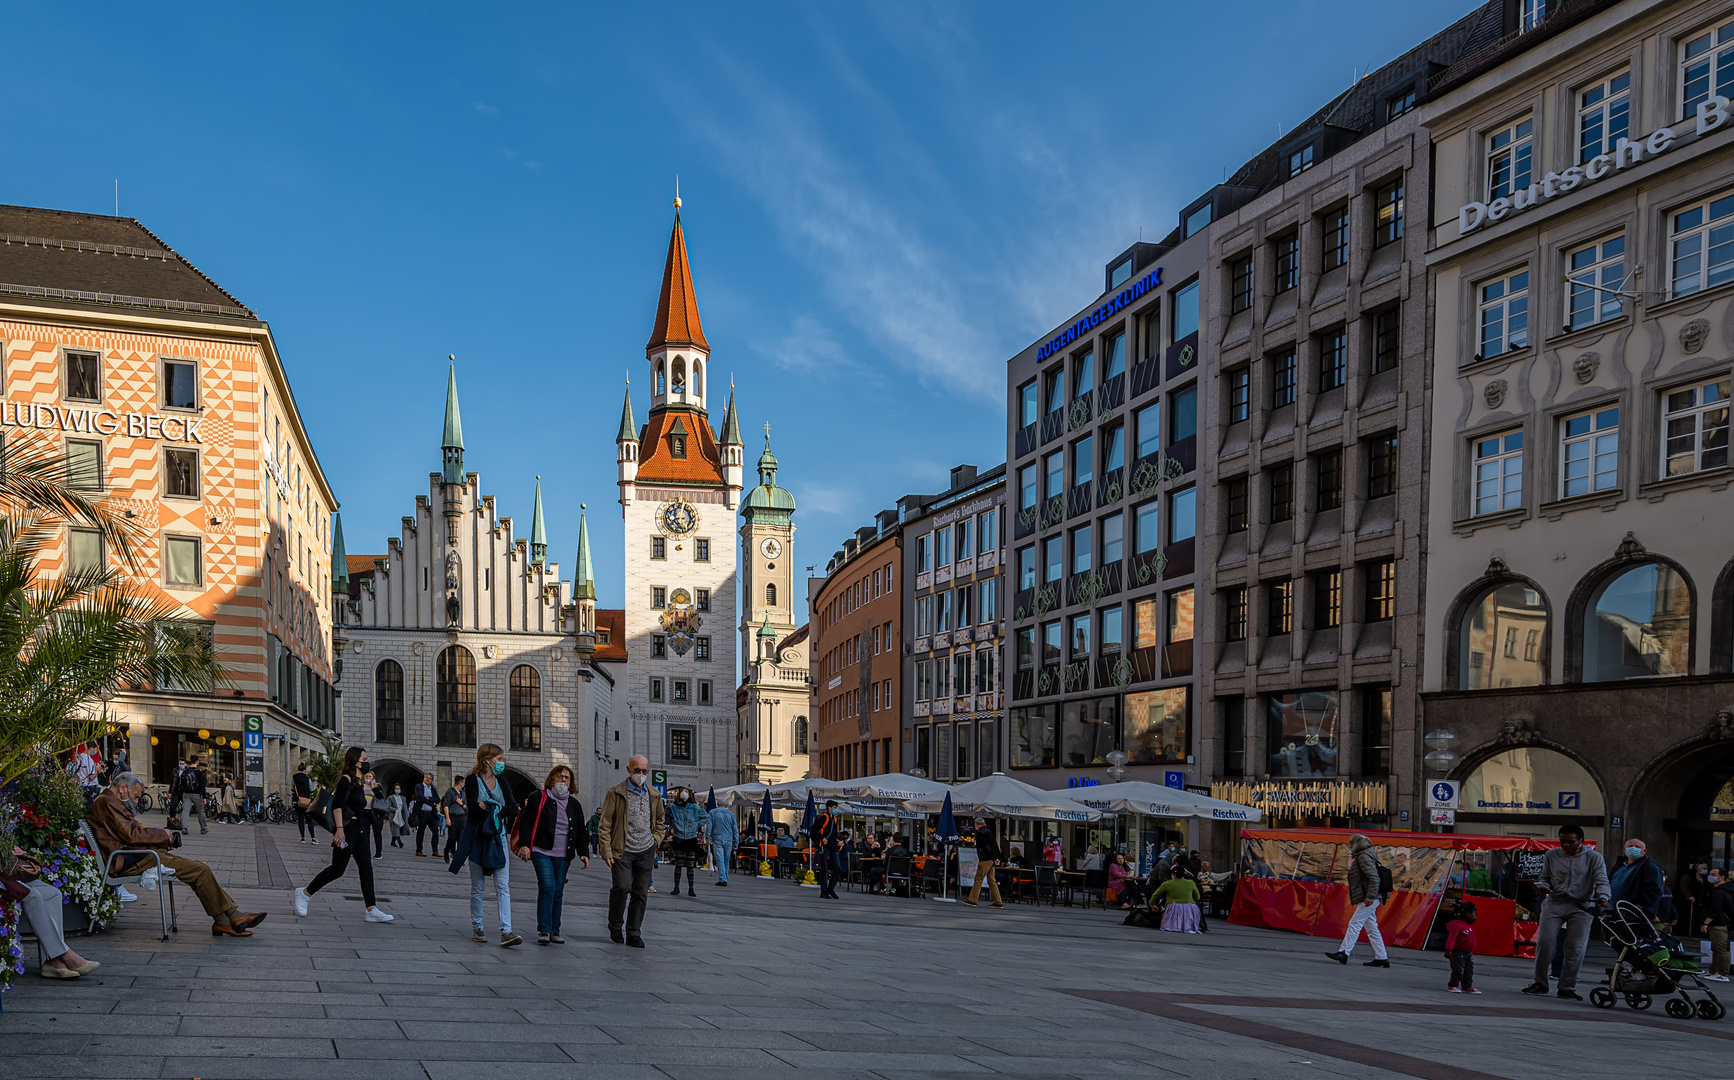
(561, 789)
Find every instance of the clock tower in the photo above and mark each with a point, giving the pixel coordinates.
(680, 486)
(774, 675)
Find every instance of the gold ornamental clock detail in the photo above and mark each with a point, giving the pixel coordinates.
(677, 517)
(771, 547)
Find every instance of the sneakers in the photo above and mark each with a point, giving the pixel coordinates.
(507, 941)
(541, 937)
(1339, 956)
(1467, 990)
(479, 937)
(971, 903)
(1712, 978)
(722, 883)
(556, 939)
(300, 897)
(1452, 990)
(998, 904)
(375, 914)
(1535, 989)
(127, 898)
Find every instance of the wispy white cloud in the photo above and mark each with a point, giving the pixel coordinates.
(484, 108)
(810, 348)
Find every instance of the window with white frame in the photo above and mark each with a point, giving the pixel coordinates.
(1706, 67)
(1589, 453)
(1603, 115)
(1503, 311)
(1701, 245)
(1531, 13)
(1597, 274)
(923, 616)
(1695, 420)
(1509, 158)
(1499, 472)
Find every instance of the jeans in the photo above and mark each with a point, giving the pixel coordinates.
(340, 857)
(502, 895)
(631, 883)
(722, 855)
(550, 890)
(1367, 916)
(1576, 923)
(195, 805)
(1462, 968)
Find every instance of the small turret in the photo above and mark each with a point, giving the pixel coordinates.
(626, 445)
(730, 445)
(584, 589)
(452, 445)
(538, 533)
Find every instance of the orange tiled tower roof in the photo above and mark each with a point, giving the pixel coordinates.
(677, 309)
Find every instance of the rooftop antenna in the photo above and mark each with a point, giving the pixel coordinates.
(677, 191)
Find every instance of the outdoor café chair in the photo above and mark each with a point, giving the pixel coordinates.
(897, 872)
(1096, 886)
(153, 859)
(1047, 884)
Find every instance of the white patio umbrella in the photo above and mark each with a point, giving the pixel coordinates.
(1001, 796)
(788, 795)
(886, 787)
(1154, 800)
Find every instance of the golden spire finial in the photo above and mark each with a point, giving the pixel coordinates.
(677, 191)
(767, 431)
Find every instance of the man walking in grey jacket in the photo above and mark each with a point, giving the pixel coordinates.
(1574, 878)
(1365, 896)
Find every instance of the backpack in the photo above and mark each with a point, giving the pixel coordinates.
(1386, 885)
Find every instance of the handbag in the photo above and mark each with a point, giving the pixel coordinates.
(320, 811)
(13, 890)
(534, 825)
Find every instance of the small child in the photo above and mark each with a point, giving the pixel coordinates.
(1460, 950)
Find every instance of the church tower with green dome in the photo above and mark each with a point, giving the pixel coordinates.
(773, 698)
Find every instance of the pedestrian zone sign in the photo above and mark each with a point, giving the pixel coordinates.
(1442, 795)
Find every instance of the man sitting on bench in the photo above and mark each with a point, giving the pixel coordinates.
(111, 819)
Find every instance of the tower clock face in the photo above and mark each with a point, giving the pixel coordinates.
(772, 547)
(677, 517)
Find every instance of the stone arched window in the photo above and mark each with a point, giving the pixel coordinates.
(1722, 621)
(388, 702)
(1636, 622)
(455, 697)
(1501, 636)
(526, 706)
(771, 595)
(800, 740)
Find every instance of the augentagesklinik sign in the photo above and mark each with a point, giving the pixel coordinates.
(1095, 318)
(1712, 114)
(135, 425)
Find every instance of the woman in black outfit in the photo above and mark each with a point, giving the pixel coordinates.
(350, 816)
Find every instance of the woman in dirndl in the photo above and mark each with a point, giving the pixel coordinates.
(1181, 915)
(686, 821)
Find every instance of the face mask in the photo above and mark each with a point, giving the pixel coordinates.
(1635, 852)
(397, 791)
(1714, 880)
(499, 767)
(562, 790)
(681, 799)
(637, 779)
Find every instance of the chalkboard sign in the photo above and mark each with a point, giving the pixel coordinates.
(1529, 864)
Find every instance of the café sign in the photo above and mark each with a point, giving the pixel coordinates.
(1712, 114)
(134, 425)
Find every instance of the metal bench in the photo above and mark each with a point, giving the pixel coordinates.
(165, 876)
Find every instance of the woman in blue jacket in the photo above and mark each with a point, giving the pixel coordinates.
(687, 822)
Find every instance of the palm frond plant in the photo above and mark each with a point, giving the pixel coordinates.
(71, 639)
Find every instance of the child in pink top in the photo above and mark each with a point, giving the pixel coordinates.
(1460, 950)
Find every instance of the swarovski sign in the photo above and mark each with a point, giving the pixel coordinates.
(1712, 114)
(134, 425)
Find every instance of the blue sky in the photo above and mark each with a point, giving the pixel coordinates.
(883, 203)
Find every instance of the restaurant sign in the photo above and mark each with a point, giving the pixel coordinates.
(1280, 799)
(134, 425)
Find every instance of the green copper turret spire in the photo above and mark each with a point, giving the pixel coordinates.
(339, 560)
(584, 576)
(765, 631)
(628, 426)
(452, 445)
(538, 533)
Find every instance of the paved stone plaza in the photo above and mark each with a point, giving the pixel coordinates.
(764, 978)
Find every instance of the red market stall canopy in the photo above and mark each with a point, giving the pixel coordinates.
(1297, 879)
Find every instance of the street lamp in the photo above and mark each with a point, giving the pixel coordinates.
(1117, 760)
(1440, 759)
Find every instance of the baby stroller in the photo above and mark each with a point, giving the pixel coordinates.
(1641, 971)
